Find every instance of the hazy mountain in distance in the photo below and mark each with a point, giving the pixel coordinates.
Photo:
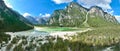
(32, 20)
(37, 20)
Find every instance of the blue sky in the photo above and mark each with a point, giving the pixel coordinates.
(35, 7)
(47, 7)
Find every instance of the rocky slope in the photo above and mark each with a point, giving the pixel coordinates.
(97, 17)
(11, 20)
(74, 15)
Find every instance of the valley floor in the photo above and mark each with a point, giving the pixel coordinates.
(64, 39)
(63, 32)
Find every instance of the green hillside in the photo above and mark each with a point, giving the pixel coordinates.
(11, 20)
(74, 15)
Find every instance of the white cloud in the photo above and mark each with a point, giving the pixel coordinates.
(8, 4)
(117, 17)
(105, 4)
(26, 14)
(111, 12)
(62, 1)
(44, 15)
(40, 14)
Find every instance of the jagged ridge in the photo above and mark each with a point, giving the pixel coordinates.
(78, 16)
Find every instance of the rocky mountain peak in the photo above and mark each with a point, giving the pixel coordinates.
(77, 15)
(2, 4)
(1, 1)
(71, 4)
(96, 11)
(96, 7)
(75, 5)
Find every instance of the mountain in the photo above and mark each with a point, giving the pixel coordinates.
(37, 20)
(42, 20)
(75, 15)
(32, 20)
(97, 17)
(11, 20)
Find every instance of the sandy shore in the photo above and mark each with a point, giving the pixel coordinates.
(67, 34)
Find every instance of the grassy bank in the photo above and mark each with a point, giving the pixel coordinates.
(49, 29)
(95, 40)
(99, 36)
(102, 36)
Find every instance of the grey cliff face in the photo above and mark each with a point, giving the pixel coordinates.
(96, 11)
(75, 15)
(72, 15)
(110, 18)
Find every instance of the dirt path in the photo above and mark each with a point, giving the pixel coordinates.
(86, 19)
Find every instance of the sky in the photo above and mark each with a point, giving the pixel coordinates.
(46, 7)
